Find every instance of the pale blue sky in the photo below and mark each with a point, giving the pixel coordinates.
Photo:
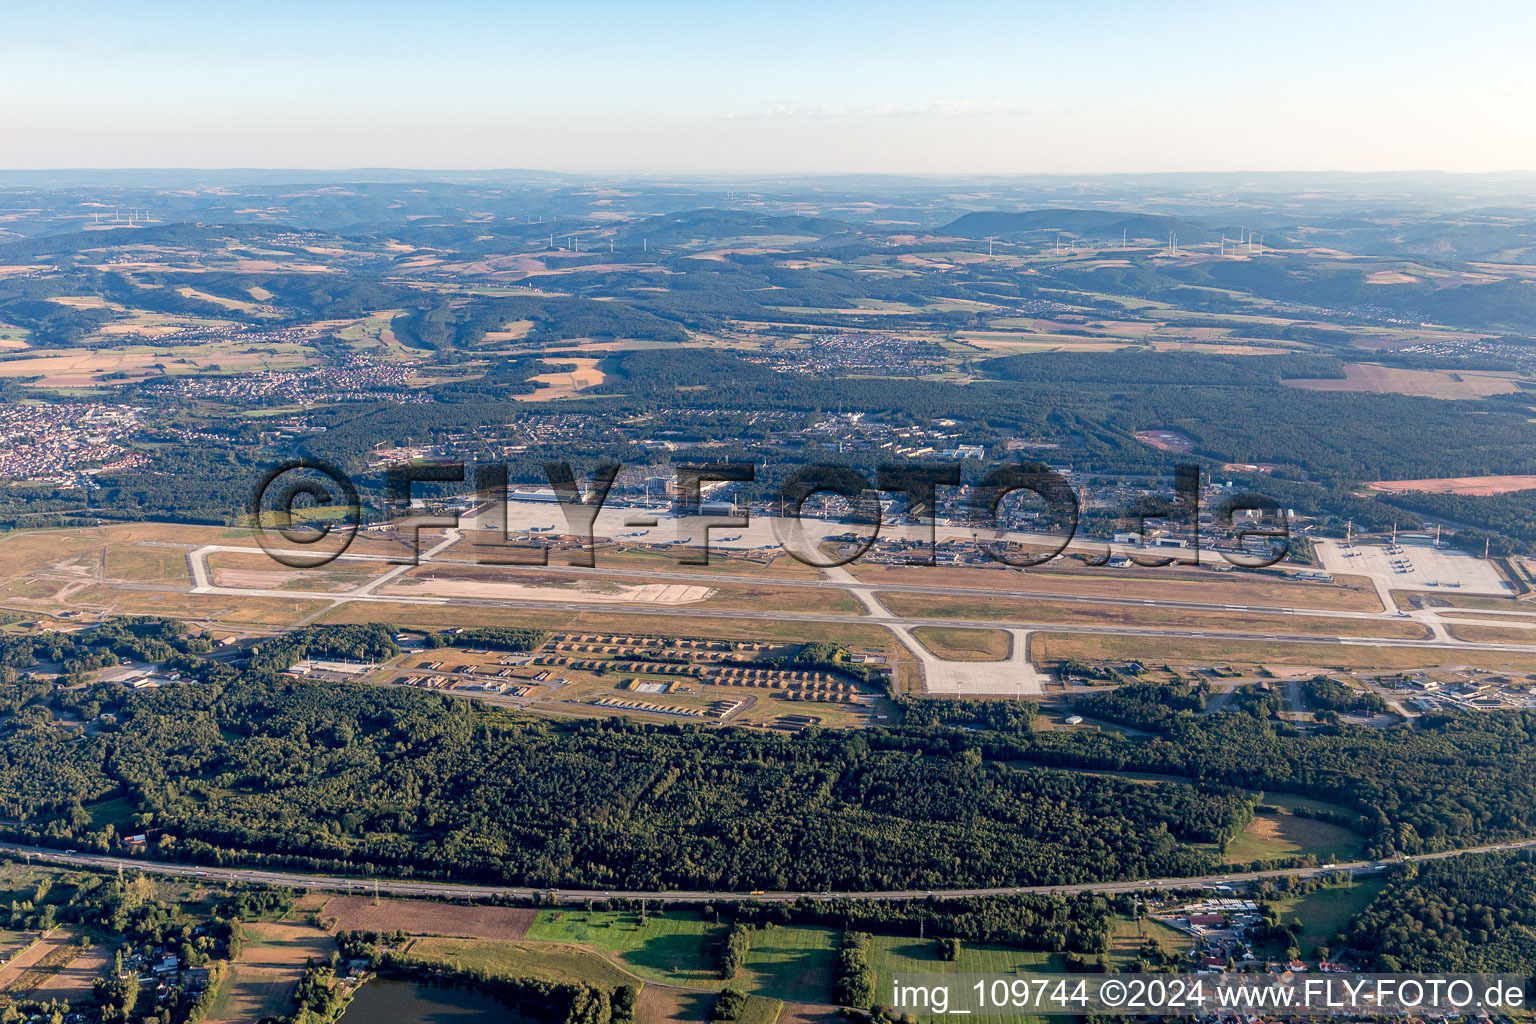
(941, 86)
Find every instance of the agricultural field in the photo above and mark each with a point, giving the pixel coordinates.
(1127, 936)
(676, 946)
(547, 960)
(1445, 384)
(1474, 485)
(418, 917)
(261, 980)
(674, 1005)
(37, 963)
(896, 956)
(1326, 911)
(566, 383)
(90, 367)
(74, 980)
(793, 962)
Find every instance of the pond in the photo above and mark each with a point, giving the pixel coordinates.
(391, 1001)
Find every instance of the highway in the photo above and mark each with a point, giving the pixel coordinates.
(398, 887)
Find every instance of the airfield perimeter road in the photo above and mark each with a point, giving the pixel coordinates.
(396, 887)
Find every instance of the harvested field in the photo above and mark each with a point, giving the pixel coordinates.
(86, 367)
(1481, 486)
(420, 917)
(565, 383)
(660, 1005)
(74, 980)
(805, 1013)
(1448, 384)
(261, 981)
(20, 974)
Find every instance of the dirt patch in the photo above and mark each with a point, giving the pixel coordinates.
(420, 917)
(1294, 671)
(596, 593)
(1165, 440)
(1264, 828)
(1474, 485)
(251, 579)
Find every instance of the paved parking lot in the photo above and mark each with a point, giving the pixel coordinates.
(1417, 565)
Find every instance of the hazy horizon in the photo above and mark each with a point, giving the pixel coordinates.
(691, 88)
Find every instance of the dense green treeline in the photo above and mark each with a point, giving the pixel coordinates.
(1464, 914)
(1052, 922)
(324, 775)
(412, 783)
(1448, 780)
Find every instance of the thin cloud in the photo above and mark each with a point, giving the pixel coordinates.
(869, 111)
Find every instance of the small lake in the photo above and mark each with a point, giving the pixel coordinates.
(390, 1001)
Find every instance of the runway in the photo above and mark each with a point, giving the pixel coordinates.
(1015, 676)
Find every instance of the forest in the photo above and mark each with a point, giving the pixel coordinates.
(1474, 914)
(356, 778)
(249, 765)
